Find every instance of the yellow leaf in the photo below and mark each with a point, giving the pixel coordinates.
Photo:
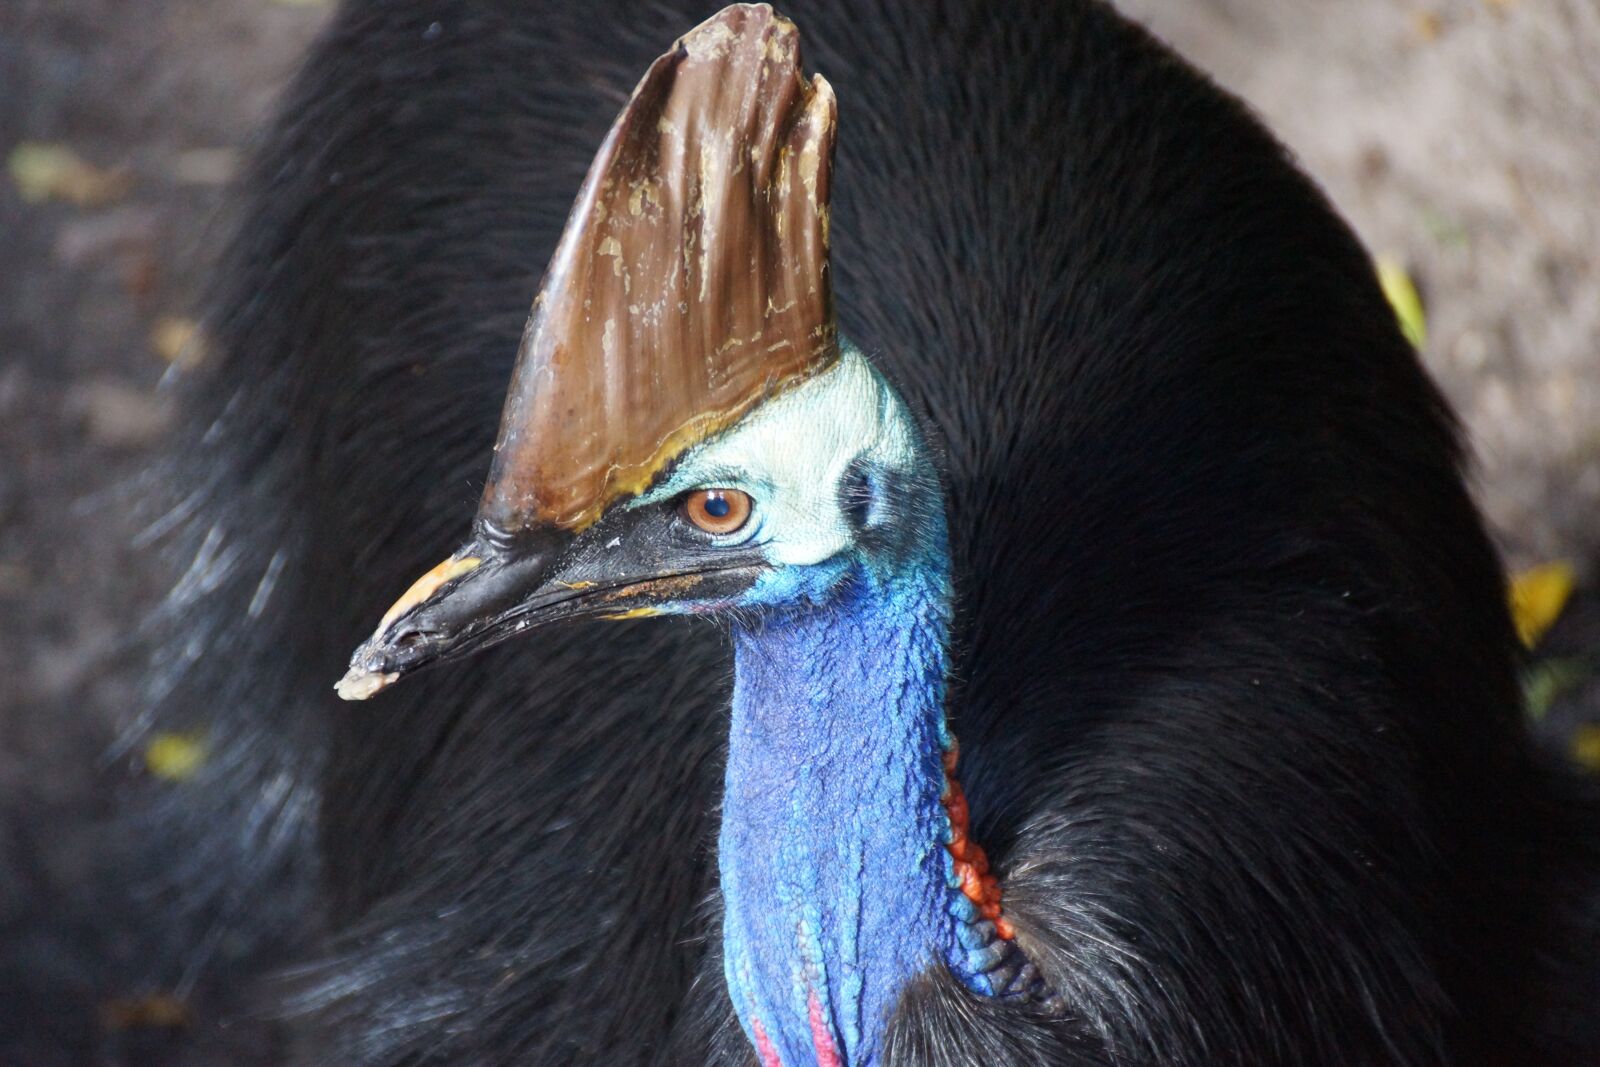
(178, 341)
(1402, 295)
(1586, 746)
(175, 757)
(1537, 596)
(1552, 678)
(55, 172)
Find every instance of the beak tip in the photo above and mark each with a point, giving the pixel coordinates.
(359, 683)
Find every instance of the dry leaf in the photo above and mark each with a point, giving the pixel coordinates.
(55, 172)
(1403, 297)
(155, 1011)
(105, 236)
(205, 166)
(118, 415)
(178, 341)
(140, 274)
(1586, 745)
(1537, 596)
(174, 756)
(1551, 679)
(1427, 24)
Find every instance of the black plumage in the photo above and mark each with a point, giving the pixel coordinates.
(1235, 683)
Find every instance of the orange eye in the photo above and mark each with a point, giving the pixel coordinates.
(717, 511)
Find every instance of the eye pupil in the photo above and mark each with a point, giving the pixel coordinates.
(717, 511)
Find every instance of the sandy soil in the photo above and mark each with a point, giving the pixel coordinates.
(1457, 135)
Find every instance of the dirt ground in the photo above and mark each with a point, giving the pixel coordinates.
(1459, 136)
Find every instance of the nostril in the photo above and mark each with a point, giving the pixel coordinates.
(409, 647)
(411, 639)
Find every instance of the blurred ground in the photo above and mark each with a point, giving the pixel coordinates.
(1460, 137)
(1457, 135)
(155, 98)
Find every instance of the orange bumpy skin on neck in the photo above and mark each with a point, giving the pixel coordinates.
(971, 864)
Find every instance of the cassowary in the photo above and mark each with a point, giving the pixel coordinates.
(1115, 468)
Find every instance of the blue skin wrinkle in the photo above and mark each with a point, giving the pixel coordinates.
(835, 878)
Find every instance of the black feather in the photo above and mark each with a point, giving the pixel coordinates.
(1235, 686)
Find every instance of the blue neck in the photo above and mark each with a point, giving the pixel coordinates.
(836, 882)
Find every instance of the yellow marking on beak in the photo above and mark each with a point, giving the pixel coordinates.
(575, 585)
(669, 585)
(427, 585)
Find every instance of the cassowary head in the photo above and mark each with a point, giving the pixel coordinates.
(822, 480)
(686, 433)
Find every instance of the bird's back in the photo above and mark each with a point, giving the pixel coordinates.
(1234, 683)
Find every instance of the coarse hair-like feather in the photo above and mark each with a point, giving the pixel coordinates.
(1233, 676)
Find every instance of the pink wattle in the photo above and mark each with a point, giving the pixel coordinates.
(764, 1049)
(821, 1038)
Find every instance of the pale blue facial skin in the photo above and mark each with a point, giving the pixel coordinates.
(836, 884)
(791, 456)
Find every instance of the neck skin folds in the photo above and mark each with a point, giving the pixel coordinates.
(837, 881)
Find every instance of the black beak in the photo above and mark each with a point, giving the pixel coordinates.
(494, 588)
(469, 601)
